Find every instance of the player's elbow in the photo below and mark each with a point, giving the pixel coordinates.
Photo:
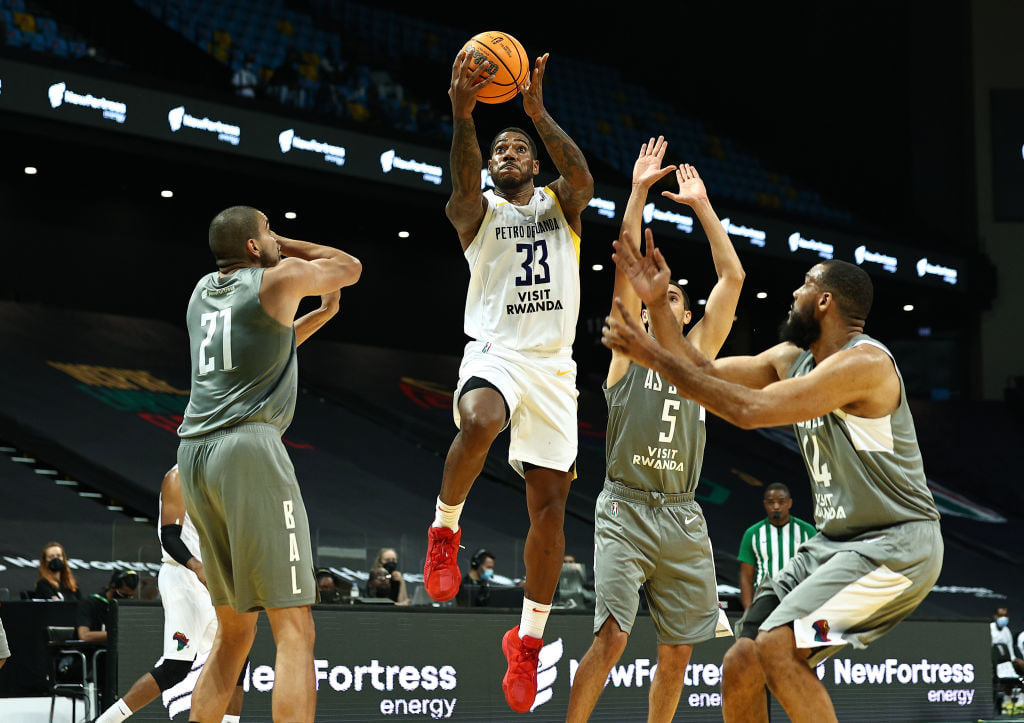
(745, 416)
(353, 270)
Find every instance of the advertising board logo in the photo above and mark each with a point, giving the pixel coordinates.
(547, 672)
(288, 140)
(604, 207)
(56, 94)
(755, 235)
(179, 118)
(947, 274)
(861, 254)
(681, 222)
(798, 243)
(391, 161)
(59, 94)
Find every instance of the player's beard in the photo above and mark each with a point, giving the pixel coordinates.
(800, 328)
(267, 260)
(508, 182)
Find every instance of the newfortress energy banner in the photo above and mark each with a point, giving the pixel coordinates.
(446, 664)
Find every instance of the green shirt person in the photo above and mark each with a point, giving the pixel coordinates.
(768, 545)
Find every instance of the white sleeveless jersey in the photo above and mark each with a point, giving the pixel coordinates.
(524, 285)
(189, 535)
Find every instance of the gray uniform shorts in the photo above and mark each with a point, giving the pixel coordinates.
(240, 491)
(839, 592)
(659, 541)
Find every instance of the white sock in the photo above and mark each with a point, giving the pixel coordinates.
(231, 719)
(447, 515)
(115, 713)
(535, 617)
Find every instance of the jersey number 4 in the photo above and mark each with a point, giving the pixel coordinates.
(538, 249)
(208, 363)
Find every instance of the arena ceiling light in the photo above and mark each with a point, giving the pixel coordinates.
(701, 302)
(683, 282)
(166, 193)
(908, 307)
(403, 234)
(31, 170)
(291, 215)
(762, 294)
(597, 267)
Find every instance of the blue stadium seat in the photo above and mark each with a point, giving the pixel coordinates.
(47, 26)
(14, 37)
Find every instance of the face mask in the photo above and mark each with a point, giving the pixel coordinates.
(1003, 621)
(487, 574)
(390, 565)
(56, 564)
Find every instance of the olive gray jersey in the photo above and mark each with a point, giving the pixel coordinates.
(865, 473)
(243, 360)
(655, 438)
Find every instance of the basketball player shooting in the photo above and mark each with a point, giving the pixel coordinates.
(522, 246)
(879, 548)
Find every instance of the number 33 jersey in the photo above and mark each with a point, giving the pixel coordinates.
(524, 286)
(244, 366)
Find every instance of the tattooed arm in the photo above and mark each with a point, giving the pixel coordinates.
(466, 206)
(575, 185)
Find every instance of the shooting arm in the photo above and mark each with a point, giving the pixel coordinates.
(574, 186)
(466, 206)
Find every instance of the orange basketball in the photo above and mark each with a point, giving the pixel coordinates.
(507, 60)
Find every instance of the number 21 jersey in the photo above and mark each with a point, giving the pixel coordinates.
(524, 286)
(244, 367)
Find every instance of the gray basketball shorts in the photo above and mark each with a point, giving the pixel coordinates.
(659, 541)
(840, 592)
(240, 491)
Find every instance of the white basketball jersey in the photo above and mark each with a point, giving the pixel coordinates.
(189, 535)
(524, 285)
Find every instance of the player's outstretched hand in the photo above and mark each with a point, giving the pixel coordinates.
(626, 336)
(648, 274)
(466, 85)
(533, 89)
(647, 170)
(691, 188)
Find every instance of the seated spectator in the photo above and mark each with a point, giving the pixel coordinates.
(56, 581)
(476, 584)
(327, 584)
(246, 79)
(379, 585)
(94, 611)
(385, 579)
(1006, 666)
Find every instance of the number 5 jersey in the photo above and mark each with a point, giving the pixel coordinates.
(244, 366)
(524, 287)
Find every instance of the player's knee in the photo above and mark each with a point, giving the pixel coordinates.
(171, 672)
(741, 663)
(611, 640)
(481, 424)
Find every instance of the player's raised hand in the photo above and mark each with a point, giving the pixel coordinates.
(466, 84)
(648, 274)
(647, 170)
(691, 188)
(626, 336)
(533, 89)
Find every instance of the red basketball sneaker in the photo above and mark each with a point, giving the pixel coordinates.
(520, 681)
(441, 576)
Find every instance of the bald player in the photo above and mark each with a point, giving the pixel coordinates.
(879, 548)
(238, 482)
